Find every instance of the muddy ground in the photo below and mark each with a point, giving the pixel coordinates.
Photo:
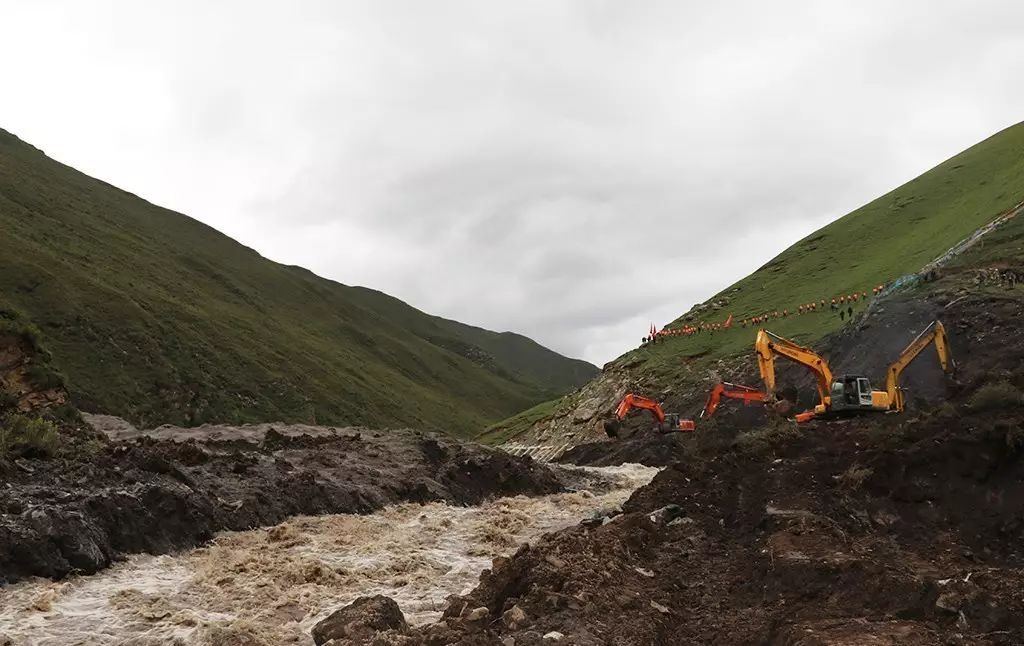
(832, 538)
(886, 529)
(102, 499)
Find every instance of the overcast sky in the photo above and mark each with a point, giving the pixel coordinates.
(568, 170)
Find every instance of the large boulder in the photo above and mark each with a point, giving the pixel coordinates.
(587, 409)
(360, 620)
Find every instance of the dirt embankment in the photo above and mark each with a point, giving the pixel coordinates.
(824, 538)
(104, 499)
(902, 529)
(19, 367)
(986, 337)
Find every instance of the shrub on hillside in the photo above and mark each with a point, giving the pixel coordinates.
(22, 436)
(778, 433)
(8, 401)
(44, 377)
(14, 323)
(996, 396)
(854, 477)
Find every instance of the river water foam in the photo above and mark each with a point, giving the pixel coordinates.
(270, 586)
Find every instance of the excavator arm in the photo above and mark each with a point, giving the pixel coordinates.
(731, 391)
(934, 333)
(769, 345)
(631, 401)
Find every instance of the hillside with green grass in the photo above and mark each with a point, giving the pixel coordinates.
(158, 318)
(892, 236)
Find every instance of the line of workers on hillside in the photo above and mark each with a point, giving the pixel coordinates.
(842, 305)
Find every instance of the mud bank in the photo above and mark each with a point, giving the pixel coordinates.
(902, 533)
(106, 499)
(888, 529)
(269, 586)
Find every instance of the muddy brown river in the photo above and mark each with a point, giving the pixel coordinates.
(272, 585)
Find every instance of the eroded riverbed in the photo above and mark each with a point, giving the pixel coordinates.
(271, 585)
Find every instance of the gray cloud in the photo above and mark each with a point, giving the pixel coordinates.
(568, 170)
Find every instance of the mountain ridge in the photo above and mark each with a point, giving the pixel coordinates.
(159, 318)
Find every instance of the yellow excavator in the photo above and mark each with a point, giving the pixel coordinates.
(848, 393)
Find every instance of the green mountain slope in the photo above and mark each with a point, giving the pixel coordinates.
(894, 235)
(159, 318)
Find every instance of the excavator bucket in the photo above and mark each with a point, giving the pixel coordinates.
(611, 427)
(805, 416)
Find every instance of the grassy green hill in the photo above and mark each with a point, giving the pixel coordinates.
(159, 318)
(894, 235)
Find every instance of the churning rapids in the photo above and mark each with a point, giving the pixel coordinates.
(276, 583)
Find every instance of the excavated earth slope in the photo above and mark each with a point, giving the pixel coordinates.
(886, 529)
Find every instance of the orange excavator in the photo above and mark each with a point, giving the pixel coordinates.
(667, 422)
(746, 394)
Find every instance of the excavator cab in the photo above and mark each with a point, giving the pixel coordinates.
(674, 423)
(854, 393)
(850, 392)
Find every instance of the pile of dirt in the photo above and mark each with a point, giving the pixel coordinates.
(101, 499)
(649, 448)
(854, 532)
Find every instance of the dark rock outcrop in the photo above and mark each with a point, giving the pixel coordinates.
(360, 620)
